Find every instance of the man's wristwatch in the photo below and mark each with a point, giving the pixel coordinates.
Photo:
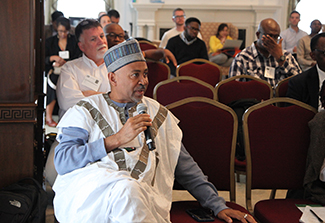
(281, 59)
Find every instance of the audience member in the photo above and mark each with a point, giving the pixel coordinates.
(101, 177)
(265, 58)
(179, 20)
(216, 44)
(303, 48)
(291, 35)
(114, 36)
(187, 46)
(305, 86)
(101, 13)
(86, 75)
(51, 30)
(114, 16)
(104, 20)
(314, 182)
(58, 49)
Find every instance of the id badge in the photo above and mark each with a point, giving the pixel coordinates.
(64, 54)
(269, 72)
(91, 82)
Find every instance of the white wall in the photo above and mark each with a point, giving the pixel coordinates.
(148, 18)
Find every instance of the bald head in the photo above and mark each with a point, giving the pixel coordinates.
(114, 34)
(268, 24)
(267, 27)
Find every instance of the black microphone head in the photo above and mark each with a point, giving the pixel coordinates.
(142, 108)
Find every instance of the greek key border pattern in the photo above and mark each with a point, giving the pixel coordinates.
(23, 113)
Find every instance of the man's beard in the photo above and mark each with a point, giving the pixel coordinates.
(137, 99)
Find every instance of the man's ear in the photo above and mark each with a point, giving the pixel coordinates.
(81, 46)
(112, 78)
(257, 34)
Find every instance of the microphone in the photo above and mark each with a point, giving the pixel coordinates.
(142, 109)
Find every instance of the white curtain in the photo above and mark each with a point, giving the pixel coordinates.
(49, 7)
(292, 6)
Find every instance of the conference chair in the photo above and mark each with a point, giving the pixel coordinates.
(201, 69)
(235, 88)
(157, 72)
(146, 45)
(209, 135)
(276, 143)
(249, 92)
(281, 89)
(175, 89)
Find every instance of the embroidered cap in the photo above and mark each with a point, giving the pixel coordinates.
(122, 54)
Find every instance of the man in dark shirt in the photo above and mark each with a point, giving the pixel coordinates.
(186, 46)
(305, 87)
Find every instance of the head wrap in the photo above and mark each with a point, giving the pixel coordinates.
(122, 54)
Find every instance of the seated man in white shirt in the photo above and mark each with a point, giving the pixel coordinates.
(87, 75)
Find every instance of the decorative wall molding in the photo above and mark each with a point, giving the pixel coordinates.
(151, 17)
(17, 113)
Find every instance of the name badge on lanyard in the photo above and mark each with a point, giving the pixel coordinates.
(64, 54)
(92, 82)
(269, 72)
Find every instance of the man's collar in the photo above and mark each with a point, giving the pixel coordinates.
(182, 35)
(90, 62)
(321, 74)
(120, 105)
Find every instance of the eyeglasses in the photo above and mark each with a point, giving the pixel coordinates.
(114, 35)
(321, 51)
(195, 29)
(179, 16)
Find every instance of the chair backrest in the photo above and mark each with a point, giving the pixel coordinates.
(201, 69)
(157, 72)
(276, 144)
(209, 134)
(231, 89)
(281, 87)
(209, 29)
(175, 89)
(146, 45)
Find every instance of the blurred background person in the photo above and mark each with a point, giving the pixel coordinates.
(216, 44)
(104, 20)
(51, 30)
(303, 47)
(58, 49)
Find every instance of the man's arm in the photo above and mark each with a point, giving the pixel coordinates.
(74, 151)
(157, 54)
(237, 67)
(191, 177)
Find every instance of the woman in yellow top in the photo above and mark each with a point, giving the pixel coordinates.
(216, 44)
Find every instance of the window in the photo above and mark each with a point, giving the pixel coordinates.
(310, 10)
(81, 8)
